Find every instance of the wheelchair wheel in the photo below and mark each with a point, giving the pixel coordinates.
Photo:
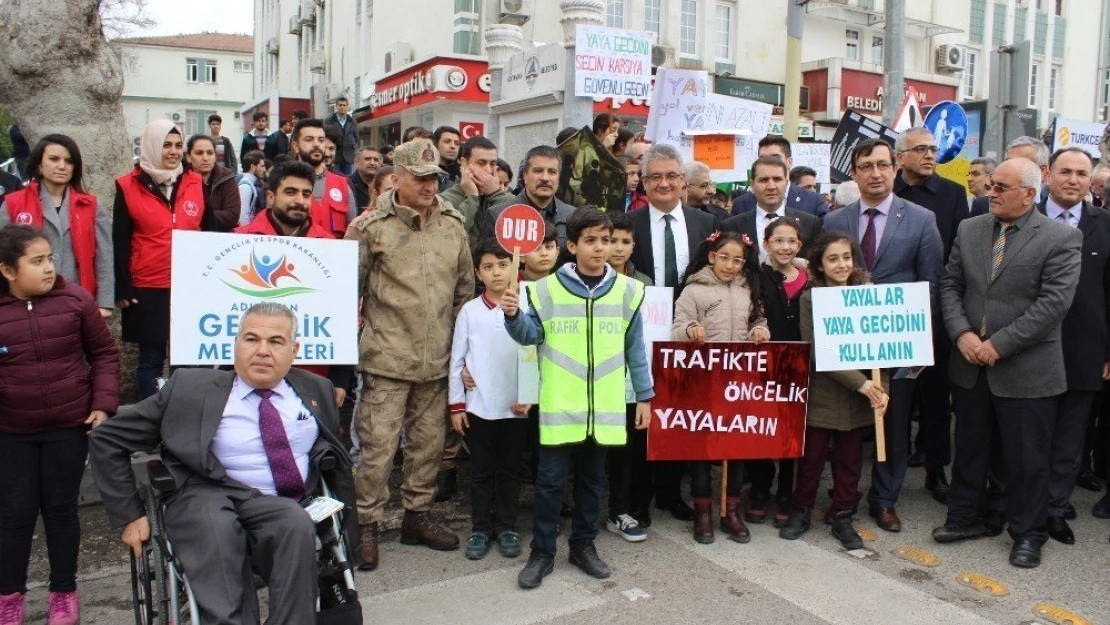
(141, 599)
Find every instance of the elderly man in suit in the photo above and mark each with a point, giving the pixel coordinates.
(666, 234)
(1083, 334)
(769, 181)
(242, 447)
(1009, 283)
(899, 242)
(799, 199)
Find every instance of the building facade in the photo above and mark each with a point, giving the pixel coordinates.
(186, 78)
(385, 56)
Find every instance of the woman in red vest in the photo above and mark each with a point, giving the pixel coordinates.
(221, 192)
(152, 200)
(75, 222)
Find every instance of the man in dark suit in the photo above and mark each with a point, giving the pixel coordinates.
(799, 199)
(243, 448)
(348, 130)
(899, 242)
(918, 182)
(1008, 285)
(666, 235)
(1086, 349)
(769, 183)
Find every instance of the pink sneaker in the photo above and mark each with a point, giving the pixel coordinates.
(63, 609)
(12, 609)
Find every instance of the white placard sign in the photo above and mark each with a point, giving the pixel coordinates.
(876, 326)
(657, 315)
(814, 155)
(1072, 133)
(216, 277)
(713, 113)
(612, 62)
(670, 85)
(527, 359)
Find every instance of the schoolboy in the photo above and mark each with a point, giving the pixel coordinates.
(630, 486)
(586, 320)
(488, 415)
(540, 263)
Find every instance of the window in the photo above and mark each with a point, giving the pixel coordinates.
(1033, 71)
(867, 4)
(688, 28)
(467, 39)
(196, 121)
(1059, 7)
(358, 92)
(851, 52)
(1040, 33)
(999, 29)
(877, 50)
(244, 66)
(201, 70)
(614, 14)
(191, 72)
(971, 69)
(210, 72)
(653, 15)
(1053, 74)
(724, 31)
(978, 20)
(1058, 37)
(1021, 17)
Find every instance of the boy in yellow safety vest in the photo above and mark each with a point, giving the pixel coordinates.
(585, 318)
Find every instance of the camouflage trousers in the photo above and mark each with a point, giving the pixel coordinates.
(387, 406)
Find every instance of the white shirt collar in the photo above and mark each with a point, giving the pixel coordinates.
(780, 211)
(657, 215)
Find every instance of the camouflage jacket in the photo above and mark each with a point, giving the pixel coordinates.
(413, 279)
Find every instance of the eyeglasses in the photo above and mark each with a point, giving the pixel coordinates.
(870, 167)
(922, 149)
(735, 261)
(1002, 188)
(657, 178)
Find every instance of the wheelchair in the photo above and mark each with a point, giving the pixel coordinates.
(160, 590)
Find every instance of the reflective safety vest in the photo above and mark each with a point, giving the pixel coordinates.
(582, 363)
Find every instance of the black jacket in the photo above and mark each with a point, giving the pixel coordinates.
(783, 315)
(276, 143)
(699, 226)
(946, 199)
(360, 190)
(744, 223)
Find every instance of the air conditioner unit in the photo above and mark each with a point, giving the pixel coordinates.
(399, 55)
(136, 141)
(662, 56)
(295, 25)
(308, 13)
(516, 11)
(178, 117)
(135, 151)
(272, 45)
(690, 63)
(951, 58)
(317, 62)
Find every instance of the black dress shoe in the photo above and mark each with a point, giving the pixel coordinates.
(642, 516)
(917, 459)
(1087, 480)
(994, 522)
(1059, 531)
(1070, 513)
(1102, 508)
(937, 483)
(951, 532)
(539, 566)
(586, 558)
(678, 510)
(1025, 553)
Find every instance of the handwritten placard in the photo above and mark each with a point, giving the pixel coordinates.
(715, 151)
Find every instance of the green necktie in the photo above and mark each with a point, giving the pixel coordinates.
(670, 262)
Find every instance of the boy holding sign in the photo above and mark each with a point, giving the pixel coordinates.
(585, 318)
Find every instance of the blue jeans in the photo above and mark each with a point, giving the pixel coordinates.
(152, 362)
(551, 480)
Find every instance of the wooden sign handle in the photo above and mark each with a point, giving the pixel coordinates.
(880, 425)
(516, 269)
(724, 485)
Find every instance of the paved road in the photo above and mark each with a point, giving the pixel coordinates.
(670, 579)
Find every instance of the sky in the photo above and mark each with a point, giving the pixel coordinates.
(193, 16)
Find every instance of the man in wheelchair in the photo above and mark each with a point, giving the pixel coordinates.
(243, 448)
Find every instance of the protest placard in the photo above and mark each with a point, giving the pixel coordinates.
(656, 315)
(670, 85)
(728, 401)
(216, 277)
(527, 360)
(853, 128)
(612, 62)
(715, 151)
(816, 156)
(713, 114)
(875, 326)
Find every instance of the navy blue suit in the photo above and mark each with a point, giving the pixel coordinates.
(797, 198)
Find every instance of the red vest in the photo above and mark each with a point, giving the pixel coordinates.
(152, 225)
(25, 209)
(261, 225)
(331, 210)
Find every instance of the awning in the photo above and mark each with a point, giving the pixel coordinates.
(861, 16)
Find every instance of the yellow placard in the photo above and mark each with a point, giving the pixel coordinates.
(956, 171)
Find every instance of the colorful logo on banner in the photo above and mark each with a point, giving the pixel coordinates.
(267, 279)
(728, 401)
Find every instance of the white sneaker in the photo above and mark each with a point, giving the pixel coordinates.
(627, 528)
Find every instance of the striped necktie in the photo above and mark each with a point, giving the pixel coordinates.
(998, 252)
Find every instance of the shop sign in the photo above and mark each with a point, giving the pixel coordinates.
(769, 92)
(468, 80)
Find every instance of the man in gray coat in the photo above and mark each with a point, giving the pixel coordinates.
(541, 180)
(899, 242)
(1010, 280)
(348, 129)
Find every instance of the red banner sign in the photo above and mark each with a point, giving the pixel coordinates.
(728, 401)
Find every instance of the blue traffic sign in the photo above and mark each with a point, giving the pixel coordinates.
(948, 123)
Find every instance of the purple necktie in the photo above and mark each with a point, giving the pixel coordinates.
(287, 477)
(868, 240)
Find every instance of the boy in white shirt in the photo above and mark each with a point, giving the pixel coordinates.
(488, 415)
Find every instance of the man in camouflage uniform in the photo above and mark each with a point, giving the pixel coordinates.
(415, 273)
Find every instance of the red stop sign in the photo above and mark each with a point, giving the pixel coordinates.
(519, 229)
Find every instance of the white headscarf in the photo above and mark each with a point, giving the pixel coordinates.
(150, 152)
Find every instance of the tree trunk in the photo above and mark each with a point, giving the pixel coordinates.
(59, 75)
